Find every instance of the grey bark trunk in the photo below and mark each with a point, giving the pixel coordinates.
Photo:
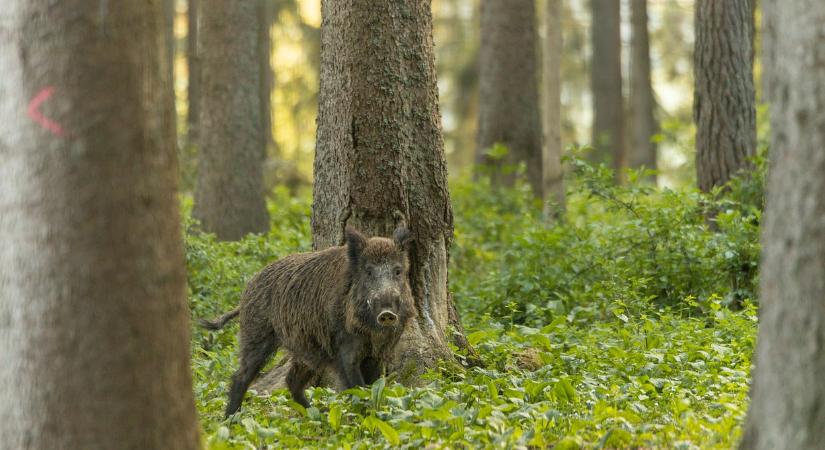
(787, 408)
(723, 102)
(642, 102)
(553, 176)
(509, 99)
(193, 64)
(94, 325)
(606, 85)
(380, 160)
(229, 197)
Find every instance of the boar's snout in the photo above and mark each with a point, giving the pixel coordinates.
(387, 318)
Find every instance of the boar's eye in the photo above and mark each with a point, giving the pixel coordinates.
(368, 270)
(397, 270)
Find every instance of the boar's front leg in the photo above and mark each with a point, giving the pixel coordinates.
(350, 355)
(371, 370)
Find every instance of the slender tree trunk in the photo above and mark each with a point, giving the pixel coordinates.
(193, 61)
(229, 198)
(380, 160)
(606, 85)
(94, 326)
(643, 150)
(788, 396)
(553, 176)
(169, 12)
(723, 103)
(265, 18)
(509, 98)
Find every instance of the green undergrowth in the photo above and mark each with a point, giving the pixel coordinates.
(626, 324)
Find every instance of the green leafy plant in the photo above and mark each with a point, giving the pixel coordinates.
(612, 328)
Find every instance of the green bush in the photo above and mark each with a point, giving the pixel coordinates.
(609, 329)
(628, 247)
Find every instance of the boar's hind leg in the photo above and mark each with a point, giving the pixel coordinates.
(255, 352)
(297, 379)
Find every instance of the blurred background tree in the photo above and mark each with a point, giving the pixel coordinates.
(295, 47)
(509, 113)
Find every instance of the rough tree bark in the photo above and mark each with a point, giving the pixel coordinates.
(229, 197)
(723, 102)
(193, 64)
(553, 176)
(509, 99)
(787, 396)
(94, 325)
(642, 152)
(380, 160)
(606, 85)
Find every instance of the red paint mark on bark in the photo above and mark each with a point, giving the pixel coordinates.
(37, 116)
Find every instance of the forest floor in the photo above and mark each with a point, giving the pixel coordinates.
(628, 324)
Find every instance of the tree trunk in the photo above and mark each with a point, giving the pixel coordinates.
(553, 176)
(509, 99)
(643, 150)
(380, 160)
(723, 103)
(94, 325)
(169, 12)
(229, 198)
(606, 85)
(787, 396)
(193, 61)
(265, 18)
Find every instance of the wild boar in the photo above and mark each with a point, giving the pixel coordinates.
(342, 308)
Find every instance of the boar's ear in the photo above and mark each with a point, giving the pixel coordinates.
(402, 237)
(355, 243)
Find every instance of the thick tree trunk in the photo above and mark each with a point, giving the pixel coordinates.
(193, 61)
(229, 198)
(606, 85)
(788, 396)
(723, 102)
(643, 150)
(553, 176)
(509, 98)
(380, 160)
(94, 332)
(386, 164)
(265, 18)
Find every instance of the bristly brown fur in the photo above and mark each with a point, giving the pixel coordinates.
(322, 307)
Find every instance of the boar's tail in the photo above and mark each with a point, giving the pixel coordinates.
(221, 321)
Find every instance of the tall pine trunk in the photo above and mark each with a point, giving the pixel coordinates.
(788, 396)
(193, 64)
(642, 152)
(386, 164)
(265, 18)
(723, 102)
(606, 85)
(229, 197)
(94, 325)
(509, 98)
(380, 161)
(553, 176)
(169, 12)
